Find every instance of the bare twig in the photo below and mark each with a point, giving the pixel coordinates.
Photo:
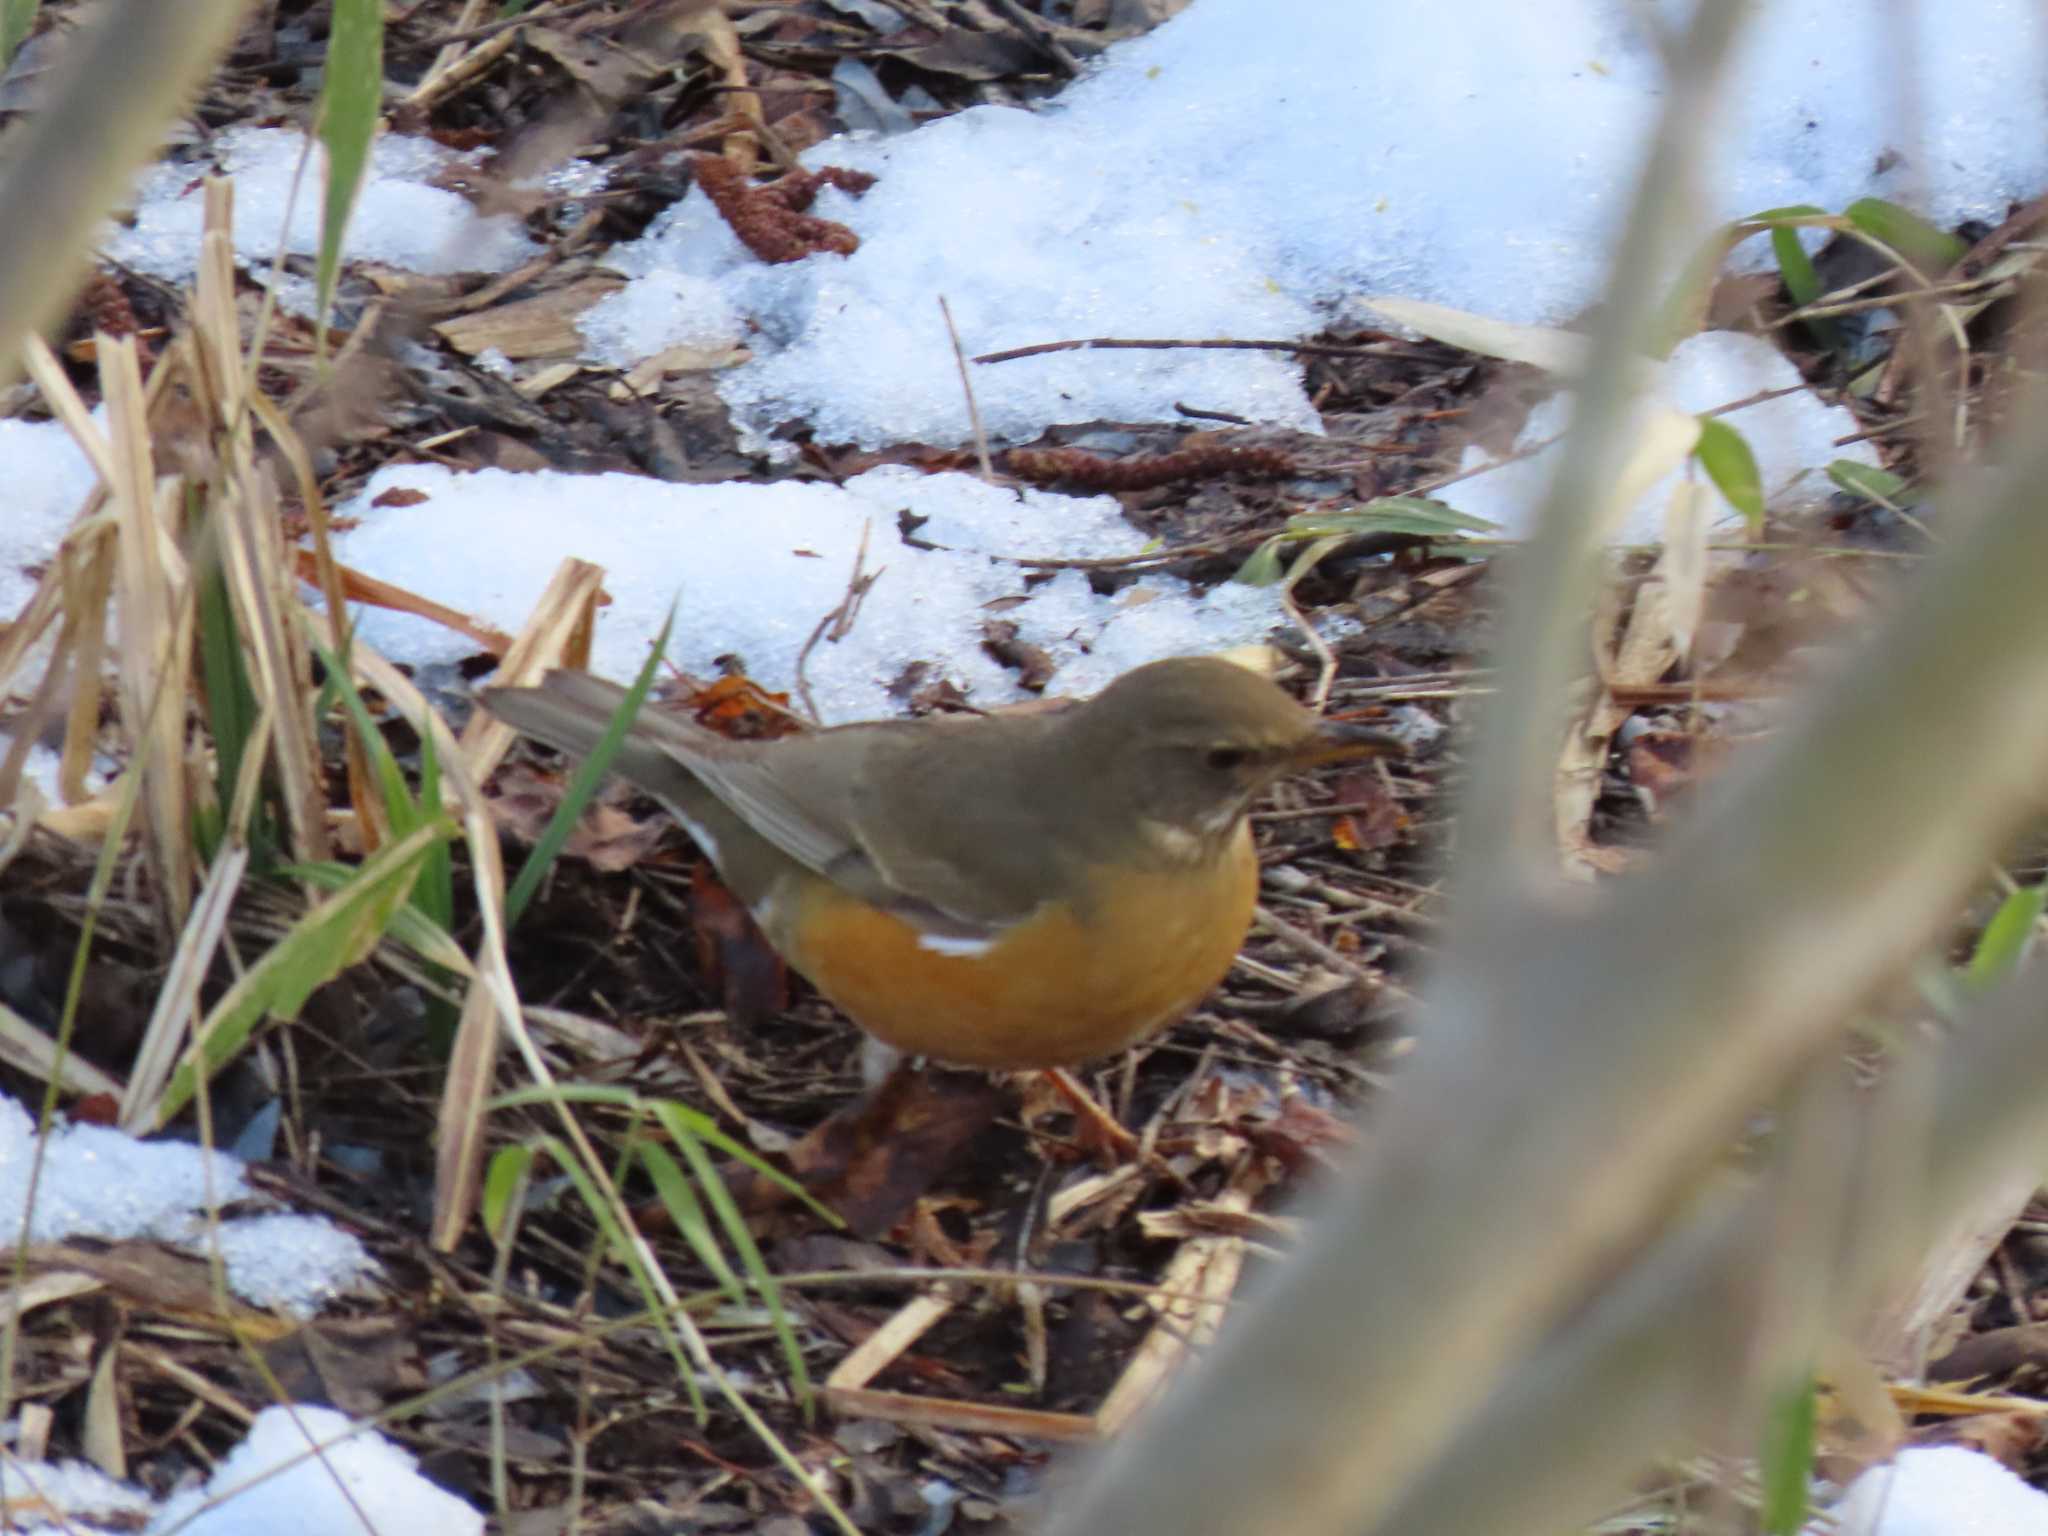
(837, 624)
(1305, 348)
(988, 470)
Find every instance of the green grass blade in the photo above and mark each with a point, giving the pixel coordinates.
(703, 1128)
(623, 1249)
(435, 893)
(351, 95)
(680, 1200)
(319, 946)
(1869, 482)
(2006, 938)
(1725, 455)
(583, 784)
(1786, 1463)
(503, 1181)
(1263, 568)
(406, 814)
(17, 20)
(415, 929)
(1933, 251)
(568, 1093)
(230, 704)
(729, 1217)
(1416, 516)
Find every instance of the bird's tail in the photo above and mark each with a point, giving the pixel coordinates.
(571, 711)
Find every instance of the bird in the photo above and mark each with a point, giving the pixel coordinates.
(1015, 891)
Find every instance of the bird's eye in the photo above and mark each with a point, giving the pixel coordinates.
(1227, 759)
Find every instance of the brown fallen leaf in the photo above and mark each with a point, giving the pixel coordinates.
(1381, 824)
(1033, 665)
(733, 954)
(873, 1160)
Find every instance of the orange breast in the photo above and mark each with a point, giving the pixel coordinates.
(1052, 991)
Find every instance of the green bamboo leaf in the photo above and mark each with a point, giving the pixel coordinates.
(607, 1094)
(351, 95)
(1725, 455)
(1420, 517)
(410, 926)
(502, 1182)
(1794, 265)
(1869, 482)
(17, 20)
(1802, 279)
(2006, 937)
(1933, 251)
(319, 946)
(1790, 1434)
(1263, 568)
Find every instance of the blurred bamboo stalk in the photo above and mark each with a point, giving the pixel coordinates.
(67, 167)
(1585, 1057)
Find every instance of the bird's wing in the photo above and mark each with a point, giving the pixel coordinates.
(680, 763)
(846, 803)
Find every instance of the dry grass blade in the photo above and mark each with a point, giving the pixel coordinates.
(246, 526)
(1645, 1366)
(78, 584)
(557, 634)
(175, 1015)
(87, 561)
(45, 607)
(448, 61)
(31, 1050)
(462, 1127)
(1203, 1275)
(150, 593)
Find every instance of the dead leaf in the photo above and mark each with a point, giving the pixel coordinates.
(541, 326)
(976, 56)
(1380, 824)
(733, 954)
(873, 1160)
(1033, 665)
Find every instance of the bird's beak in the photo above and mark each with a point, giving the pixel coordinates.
(1343, 741)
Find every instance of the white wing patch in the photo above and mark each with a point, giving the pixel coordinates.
(952, 944)
(698, 834)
